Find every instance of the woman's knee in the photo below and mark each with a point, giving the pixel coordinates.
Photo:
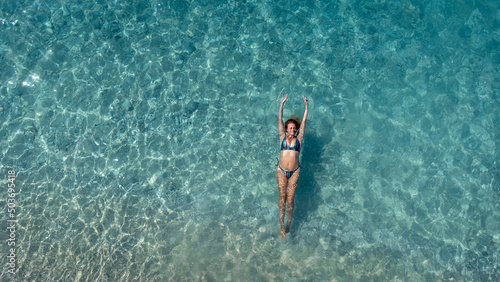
(282, 202)
(282, 207)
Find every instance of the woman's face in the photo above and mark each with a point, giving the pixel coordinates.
(291, 129)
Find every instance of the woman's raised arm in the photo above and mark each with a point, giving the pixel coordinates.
(303, 122)
(281, 128)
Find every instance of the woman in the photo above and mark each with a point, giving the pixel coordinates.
(288, 170)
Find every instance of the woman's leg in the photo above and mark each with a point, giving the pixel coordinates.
(282, 183)
(290, 197)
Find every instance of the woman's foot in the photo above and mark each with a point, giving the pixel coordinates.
(282, 233)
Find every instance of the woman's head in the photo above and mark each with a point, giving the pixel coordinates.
(292, 125)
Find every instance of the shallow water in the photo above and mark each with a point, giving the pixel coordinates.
(144, 139)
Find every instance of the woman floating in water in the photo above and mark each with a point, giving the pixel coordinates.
(288, 170)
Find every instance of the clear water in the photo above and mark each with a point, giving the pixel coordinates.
(144, 136)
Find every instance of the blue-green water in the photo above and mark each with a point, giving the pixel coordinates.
(144, 137)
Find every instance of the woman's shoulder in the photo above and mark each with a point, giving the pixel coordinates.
(282, 136)
(300, 137)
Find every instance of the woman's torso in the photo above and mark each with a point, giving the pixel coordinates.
(289, 153)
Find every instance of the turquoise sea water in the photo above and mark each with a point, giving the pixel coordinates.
(144, 138)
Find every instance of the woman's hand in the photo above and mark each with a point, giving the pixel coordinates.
(305, 100)
(284, 99)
